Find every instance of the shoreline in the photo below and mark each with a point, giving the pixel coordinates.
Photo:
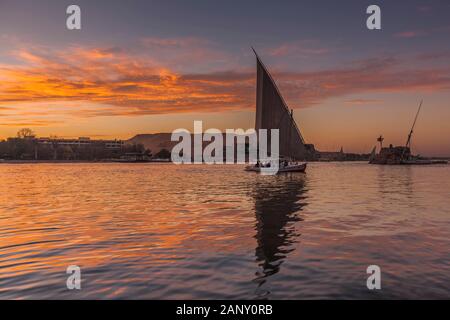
(74, 161)
(151, 161)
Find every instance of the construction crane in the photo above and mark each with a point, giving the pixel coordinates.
(408, 142)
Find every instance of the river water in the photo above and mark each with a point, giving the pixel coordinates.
(162, 231)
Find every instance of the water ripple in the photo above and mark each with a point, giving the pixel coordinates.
(216, 232)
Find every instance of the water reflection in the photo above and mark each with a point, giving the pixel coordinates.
(160, 231)
(278, 201)
(394, 181)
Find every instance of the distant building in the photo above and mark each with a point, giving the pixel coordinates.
(341, 156)
(82, 142)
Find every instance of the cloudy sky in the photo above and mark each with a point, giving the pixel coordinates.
(154, 66)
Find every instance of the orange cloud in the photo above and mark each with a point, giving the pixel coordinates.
(112, 77)
(112, 81)
(35, 123)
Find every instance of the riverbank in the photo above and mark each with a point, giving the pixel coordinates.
(77, 161)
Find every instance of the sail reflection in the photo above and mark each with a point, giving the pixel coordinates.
(277, 206)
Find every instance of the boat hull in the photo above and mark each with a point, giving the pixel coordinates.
(293, 168)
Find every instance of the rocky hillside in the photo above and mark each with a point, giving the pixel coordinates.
(155, 142)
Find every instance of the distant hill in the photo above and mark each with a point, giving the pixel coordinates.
(155, 142)
(158, 141)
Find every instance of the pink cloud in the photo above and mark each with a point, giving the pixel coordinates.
(302, 48)
(425, 9)
(409, 34)
(362, 101)
(177, 51)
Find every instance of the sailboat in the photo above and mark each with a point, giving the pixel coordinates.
(272, 112)
(401, 155)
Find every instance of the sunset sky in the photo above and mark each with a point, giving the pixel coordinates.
(154, 66)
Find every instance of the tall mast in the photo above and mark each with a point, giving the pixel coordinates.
(291, 116)
(408, 142)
